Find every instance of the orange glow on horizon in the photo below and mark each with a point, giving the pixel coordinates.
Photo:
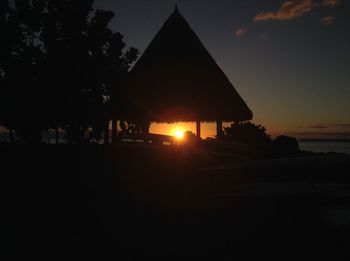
(207, 129)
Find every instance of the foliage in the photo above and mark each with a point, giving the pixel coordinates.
(21, 64)
(247, 132)
(285, 146)
(134, 127)
(60, 67)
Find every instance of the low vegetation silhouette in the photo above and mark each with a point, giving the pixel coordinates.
(247, 132)
(256, 137)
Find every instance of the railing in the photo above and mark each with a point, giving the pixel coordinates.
(157, 139)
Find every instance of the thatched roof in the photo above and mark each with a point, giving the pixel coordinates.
(176, 79)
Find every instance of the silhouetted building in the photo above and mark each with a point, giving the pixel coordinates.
(177, 80)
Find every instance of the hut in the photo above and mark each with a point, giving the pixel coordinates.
(177, 80)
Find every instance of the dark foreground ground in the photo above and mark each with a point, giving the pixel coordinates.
(135, 202)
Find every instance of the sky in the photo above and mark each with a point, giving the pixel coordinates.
(289, 60)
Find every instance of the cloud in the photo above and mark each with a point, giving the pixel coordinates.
(331, 3)
(320, 126)
(323, 130)
(328, 20)
(265, 35)
(343, 125)
(327, 126)
(319, 133)
(289, 10)
(241, 32)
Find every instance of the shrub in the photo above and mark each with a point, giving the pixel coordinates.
(286, 146)
(247, 132)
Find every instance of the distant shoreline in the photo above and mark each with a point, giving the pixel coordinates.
(321, 140)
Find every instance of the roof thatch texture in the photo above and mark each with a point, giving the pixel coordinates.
(177, 80)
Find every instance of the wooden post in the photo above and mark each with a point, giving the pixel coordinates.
(57, 135)
(12, 138)
(114, 131)
(198, 129)
(219, 131)
(106, 133)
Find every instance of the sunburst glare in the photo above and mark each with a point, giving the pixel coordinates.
(179, 134)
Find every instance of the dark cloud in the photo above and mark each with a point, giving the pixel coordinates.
(328, 20)
(264, 35)
(319, 126)
(331, 3)
(343, 125)
(319, 133)
(327, 126)
(241, 32)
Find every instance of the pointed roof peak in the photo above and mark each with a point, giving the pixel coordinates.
(176, 11)
(176, 18)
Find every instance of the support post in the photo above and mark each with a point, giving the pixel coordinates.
(219, 130)
(198, 129)
(12, 138)
(57, 135)
(114, 131)
(106, 133)
(48, 137)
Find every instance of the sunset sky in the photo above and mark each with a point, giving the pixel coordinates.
(289, 60)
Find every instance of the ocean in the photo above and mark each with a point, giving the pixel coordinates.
(325, 146)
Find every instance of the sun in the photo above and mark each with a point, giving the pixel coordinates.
(179, 134)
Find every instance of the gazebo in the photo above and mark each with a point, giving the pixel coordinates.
(177, 80)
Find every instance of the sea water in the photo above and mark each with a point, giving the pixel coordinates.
(325, 146)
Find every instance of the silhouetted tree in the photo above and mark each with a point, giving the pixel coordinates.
(86, 58)
(25, 93)
(11, 36)
(60, 67)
